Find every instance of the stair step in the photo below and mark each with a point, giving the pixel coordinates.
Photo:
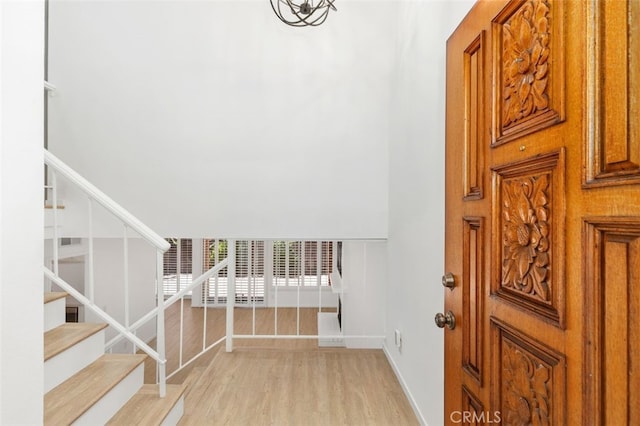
(54, 295)
(67, 402)
(69, 348)
(65, 336)
(147, 408)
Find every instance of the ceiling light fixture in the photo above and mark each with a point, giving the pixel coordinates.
(302, 13)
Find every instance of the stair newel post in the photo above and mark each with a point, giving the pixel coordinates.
(56, 235)
(162, 372)
(125, 251)
(231, 291)
(90, 238)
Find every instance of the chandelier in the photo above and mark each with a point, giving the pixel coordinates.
(301, 13)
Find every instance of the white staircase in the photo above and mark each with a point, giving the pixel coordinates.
(85, 386)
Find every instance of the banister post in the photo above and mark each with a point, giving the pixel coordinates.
(160, 341)
(231, 291)
(56, 232)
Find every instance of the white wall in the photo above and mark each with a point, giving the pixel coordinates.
(21, 212)
(109, 283)
(416, 200)
(217, 112)
(72, 270)
(364, 277)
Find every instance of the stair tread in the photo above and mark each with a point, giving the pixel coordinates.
(68, 401)
(146, 407)
(53, 295)
(66, 335)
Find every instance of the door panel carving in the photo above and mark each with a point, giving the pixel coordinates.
(528, 216)
(528, 64)
(530, 379)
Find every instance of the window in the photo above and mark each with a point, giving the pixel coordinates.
(302, 263)
(178, 265)
(214, 291)
(250, 272)
(306, 264)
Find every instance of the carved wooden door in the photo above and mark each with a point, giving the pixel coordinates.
(543, 214)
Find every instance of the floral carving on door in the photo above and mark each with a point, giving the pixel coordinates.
(527, 387)
(525, 264)
(530, 378)
(528, 55)
(525, 50)
(529, 219)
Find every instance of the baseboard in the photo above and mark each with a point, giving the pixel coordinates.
(404, 386)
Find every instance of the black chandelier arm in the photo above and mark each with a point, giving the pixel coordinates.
(314, 17)
(323, 16)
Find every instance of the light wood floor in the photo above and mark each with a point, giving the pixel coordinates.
(283, 381)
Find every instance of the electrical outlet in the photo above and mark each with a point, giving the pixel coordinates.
(398, 337)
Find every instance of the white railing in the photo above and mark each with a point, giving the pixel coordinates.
(180, 296)
(56, 169)
(285, 288)
(281, 287)
(228, 263)
(50, 88)
(295, 272)
(125, 333)
(290, 276)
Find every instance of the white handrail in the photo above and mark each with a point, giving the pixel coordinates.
(170, 301)
(102, 314)
(162, 368)
(201, 279)
(49, 87)
(130, 222)
(216, 343)
(95, 194)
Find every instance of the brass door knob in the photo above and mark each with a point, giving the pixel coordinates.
(447, 319)
(448, 280)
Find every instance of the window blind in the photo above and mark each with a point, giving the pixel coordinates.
(295, 263)
(177, 265)
(302, 263)
(214, 290)
(250, 272)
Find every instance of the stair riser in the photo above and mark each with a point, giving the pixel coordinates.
(175, 414)
(54, 314)
(66, 364)
(110, 403)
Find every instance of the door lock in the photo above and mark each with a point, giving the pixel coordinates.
(447, 319)
(448, 280)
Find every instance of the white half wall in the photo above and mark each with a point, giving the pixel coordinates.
(214, 118)
(21, 212)
(416, 201)
(364, 277)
